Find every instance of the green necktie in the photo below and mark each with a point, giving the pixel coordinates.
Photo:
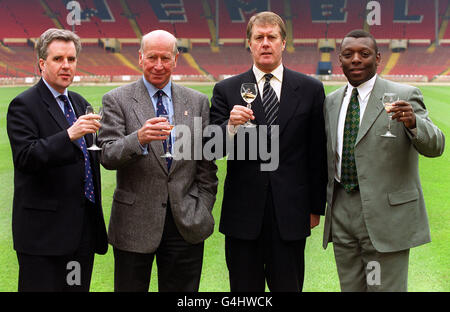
(349, 176)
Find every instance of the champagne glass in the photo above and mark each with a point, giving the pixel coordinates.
(167, 154)
(93, 147)
(388, 100)
(249, 91)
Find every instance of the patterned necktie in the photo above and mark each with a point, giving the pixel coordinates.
(349, 176)
(89, 184)
(270, 103)
(161, 110)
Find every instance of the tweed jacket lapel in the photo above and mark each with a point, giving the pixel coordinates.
(144, 110)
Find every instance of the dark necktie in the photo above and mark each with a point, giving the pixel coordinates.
(89, 184)
(349, 176)
(270, 102)
(161, 110)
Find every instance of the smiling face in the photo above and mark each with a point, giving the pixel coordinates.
(157, 58)
(266, 45)
(58, 69)
(359, 59)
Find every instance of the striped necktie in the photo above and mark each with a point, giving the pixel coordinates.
(349, 176)
(89, 183)
(270, 103)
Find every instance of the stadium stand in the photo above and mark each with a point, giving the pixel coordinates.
(230, 61)
(418, 60)
(185, 19)
(17, 62)
(18, 19)
(307, 21)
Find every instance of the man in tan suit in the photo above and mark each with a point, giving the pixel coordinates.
(375, 205)
(161, 207)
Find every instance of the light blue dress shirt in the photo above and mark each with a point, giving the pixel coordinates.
(167, 102)
(56, 95)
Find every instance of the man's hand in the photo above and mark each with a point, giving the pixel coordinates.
(239, 115)
(85, 124)
(403, 112)
(156, 128)
(315, 220)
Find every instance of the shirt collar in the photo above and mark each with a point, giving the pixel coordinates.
(152, 89)
(53, 91)
(365, 88)
(277, 73)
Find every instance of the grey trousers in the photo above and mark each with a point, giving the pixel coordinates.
(360, 266)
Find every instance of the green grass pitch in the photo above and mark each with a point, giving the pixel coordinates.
(429, 268)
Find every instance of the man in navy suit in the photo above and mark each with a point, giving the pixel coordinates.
(58, 222)
(267, 215)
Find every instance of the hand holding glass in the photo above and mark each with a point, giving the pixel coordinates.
(93, 147)
(167, 154)
(249, 91)
(388, 100)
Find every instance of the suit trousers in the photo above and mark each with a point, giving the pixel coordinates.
(179, 264)
(360, 266)
(66, 273)
(268, 258)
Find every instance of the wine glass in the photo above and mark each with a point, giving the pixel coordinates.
(388, 100)
(167, 154)
(249, 91)
(93, 147)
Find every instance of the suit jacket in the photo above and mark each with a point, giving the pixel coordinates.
(144, 185)
(298, 184)
(388, 172)
(49, 200)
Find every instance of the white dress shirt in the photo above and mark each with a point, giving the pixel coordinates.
(364, 91)
(275, 82)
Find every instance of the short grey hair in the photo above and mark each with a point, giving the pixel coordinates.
(175, 45)
(55, 34)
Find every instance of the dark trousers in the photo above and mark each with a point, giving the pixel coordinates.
(67, 273)
(179, 264)
(268, 258)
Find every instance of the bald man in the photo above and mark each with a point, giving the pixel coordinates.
(162, 206)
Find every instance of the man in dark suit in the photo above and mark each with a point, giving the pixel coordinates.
(267, 215)
(57, 221)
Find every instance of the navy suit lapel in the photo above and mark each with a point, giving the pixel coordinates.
(52, 106)
(287, 104)
(56, 112)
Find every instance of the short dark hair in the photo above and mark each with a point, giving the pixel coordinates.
(360, 33)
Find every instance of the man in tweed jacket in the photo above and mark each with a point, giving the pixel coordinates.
(161, 207)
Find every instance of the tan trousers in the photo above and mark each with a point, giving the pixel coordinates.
(360, 266)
